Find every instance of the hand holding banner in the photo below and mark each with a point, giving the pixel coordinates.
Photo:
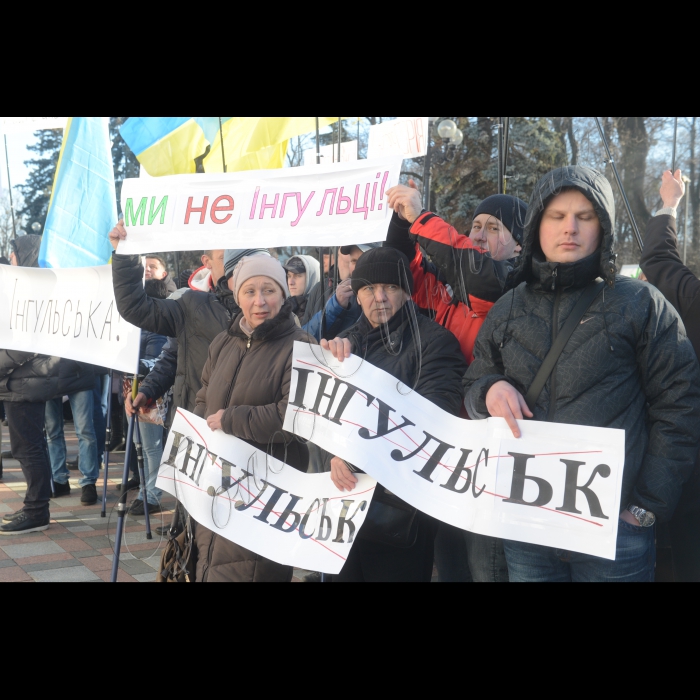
(557, 486)
(326, 205)
(258, 502)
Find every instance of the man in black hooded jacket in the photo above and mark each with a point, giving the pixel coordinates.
(27, 382)
(628, 365)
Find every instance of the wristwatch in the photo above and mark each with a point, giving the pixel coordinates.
(646, 518)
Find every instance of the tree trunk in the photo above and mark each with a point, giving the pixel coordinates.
(634, 148)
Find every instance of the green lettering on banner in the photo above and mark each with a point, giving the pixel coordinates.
(160, 208)
(129, 211)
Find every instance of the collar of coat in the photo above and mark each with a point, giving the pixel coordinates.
(281, 325)
(552, 276)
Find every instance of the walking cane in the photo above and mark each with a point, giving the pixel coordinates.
(108, 438)
(121, 505)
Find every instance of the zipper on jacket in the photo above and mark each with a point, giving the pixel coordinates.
(554, 279)
(553, 379)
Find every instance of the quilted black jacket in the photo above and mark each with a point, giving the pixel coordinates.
(628, 365)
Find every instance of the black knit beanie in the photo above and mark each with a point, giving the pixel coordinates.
(511, 211)
(383, 266)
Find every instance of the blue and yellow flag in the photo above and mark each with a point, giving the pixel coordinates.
(83, 205)
(172, 145)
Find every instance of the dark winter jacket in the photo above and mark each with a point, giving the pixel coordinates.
(342, 319)
(26, 376)
(458, 285)
(250, 378)
(629, 364)
(436, 373)
(194, 318)
(162, 377)
(664, 268)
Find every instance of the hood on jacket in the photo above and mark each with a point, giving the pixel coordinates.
(313, 272)
(200, 280)
(26, 249)
(596, 188)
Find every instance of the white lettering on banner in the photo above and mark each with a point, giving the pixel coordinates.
(327, 205)
(406, 137)
(558, 485)
(258, 502)
(67, 313)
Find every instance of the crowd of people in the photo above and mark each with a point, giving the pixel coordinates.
(473, 323)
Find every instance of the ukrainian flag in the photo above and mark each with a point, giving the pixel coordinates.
(171, 145)
(83, 204)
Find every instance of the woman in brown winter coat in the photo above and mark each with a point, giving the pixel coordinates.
(245, 390)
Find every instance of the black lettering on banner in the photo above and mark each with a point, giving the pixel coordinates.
(343, 520)
(91, 313)
(571, 488)
(78, 330)
(241, 506)
(350, 391)
(433, 460)
(301, 387)
(108, 321)
(49, 309)
(271, 502)
(453, 481)
(517, 488)
(38, 313)
(20, 315)
(26, 318)
(485, 454)
(383, 422)
(324, 520)
(65, 333)
(305, 519)
(289, 510)
(56, 319)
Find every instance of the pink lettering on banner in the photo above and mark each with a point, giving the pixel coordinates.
(323, 203)
(342, 199)
(202, 210)
(420, 136)
(302, 209)
(363, 209)
(285, 197)
(218, 206)
(264, 206)
(255, 203)
(381, 192)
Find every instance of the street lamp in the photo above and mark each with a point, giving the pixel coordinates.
(36, 227)
(452, 137)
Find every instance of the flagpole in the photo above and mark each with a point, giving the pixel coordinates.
(506, 134)
(221, 136)
(318, 144)
(611, 160)
(340, 129)
(675, 140)
(9, 187)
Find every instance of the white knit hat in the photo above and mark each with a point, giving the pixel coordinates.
(259, 265)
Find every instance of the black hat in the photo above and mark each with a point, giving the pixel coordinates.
(295, 264)
(511, 211)
(383, 266)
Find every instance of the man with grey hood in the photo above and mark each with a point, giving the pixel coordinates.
(303, 274)
(628, 365)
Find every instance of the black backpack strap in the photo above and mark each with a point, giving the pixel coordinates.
(575, 317)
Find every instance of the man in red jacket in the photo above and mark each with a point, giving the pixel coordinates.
(465, 274)
(458, 286)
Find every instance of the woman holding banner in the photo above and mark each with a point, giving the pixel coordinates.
(245, 390)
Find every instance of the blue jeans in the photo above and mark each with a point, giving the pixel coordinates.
(465, 557)
(100, 396)
(82, 405)
(152, 442)
(634, 562)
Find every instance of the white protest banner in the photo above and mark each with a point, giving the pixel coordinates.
(320, 205)
(406, 137)
(18, 125)
(329, 154)
(68, 313)
(258, 502)
(558, 485)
